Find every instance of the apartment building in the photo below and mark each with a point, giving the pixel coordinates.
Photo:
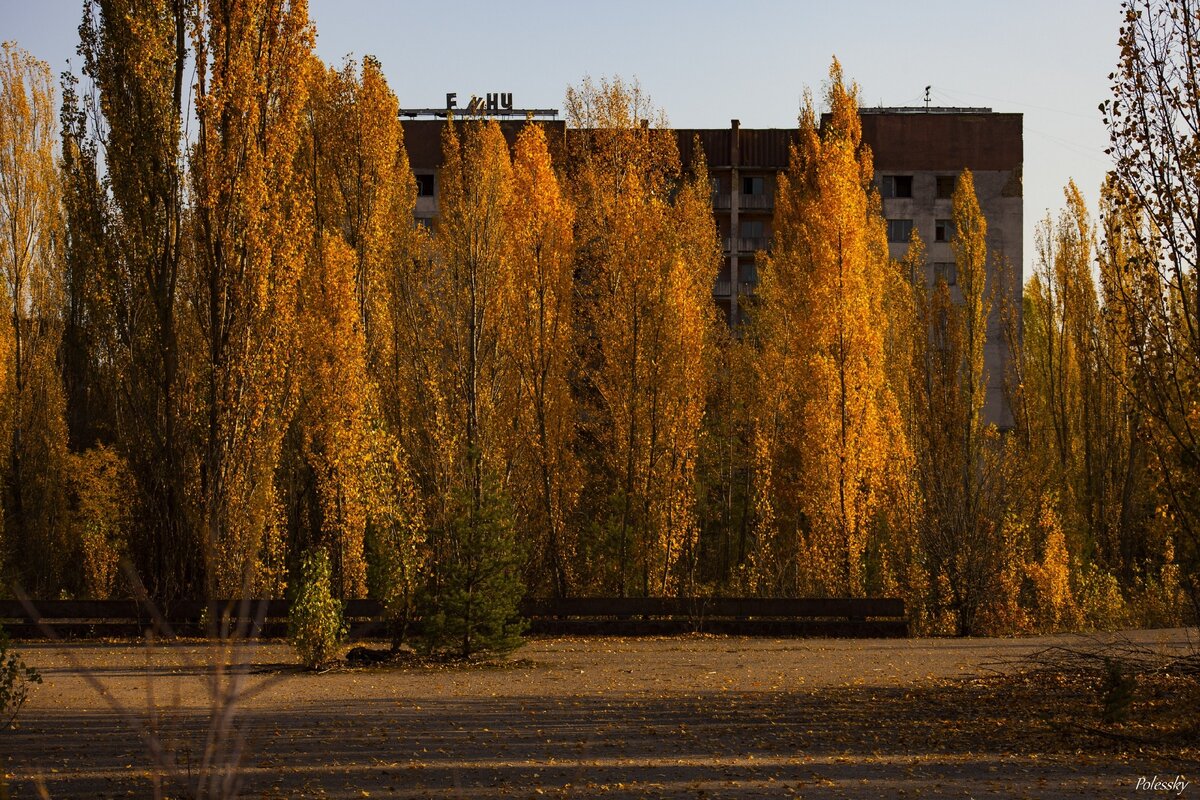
(918, 154)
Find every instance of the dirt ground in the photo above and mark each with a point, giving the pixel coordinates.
(695, 716)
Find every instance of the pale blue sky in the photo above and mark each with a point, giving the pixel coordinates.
(707, 62)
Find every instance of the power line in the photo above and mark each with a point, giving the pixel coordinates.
(1073, 147)
(1092, 117)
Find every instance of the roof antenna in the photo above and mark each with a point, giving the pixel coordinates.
(927, 88)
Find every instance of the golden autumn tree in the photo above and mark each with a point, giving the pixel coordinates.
(1126, 535)
(900, 562)
(345, 474)
(1076, 411)
(125, 258)
(1154, 129)
(539, 334)
(250, 228)
(970, 258)
(689, 356)
(828, 430)
(646, 244)
(470, 279)
(361, 181)
(958, 461)
(31, 401)
(475, 582)
(335, 413)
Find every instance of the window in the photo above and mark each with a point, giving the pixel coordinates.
(424, 185)
(947, 271)
(753, 185)
(943, 230)
(751, 229)
(715, 183)
(945, 186)
(899, 230)
(425, 222)
(897, 185)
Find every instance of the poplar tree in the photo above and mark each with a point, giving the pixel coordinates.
(470, 278)
(1127, 464)
(1154, 129)
(335, 414)
(958, 460)
(828, 430)
(126, 258)
(539, 334)
(32, 412)
(253, 67)
(645, 337)
(1080, 413)
(346, 481)
(475, 582)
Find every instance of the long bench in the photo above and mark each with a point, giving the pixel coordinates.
(743, 616)
(192, 618)
(625, 616)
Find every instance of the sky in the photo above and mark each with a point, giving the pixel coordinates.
(706, 63)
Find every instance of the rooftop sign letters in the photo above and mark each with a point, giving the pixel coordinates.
(492, 104)
(495, 102)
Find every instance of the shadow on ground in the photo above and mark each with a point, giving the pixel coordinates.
(988, 737)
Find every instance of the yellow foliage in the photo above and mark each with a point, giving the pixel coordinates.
(335, 411)
(829, 433)
(356, 399)
(31, 227)
(100, 490)
(253, 70)
(538, 334)
(1054, 602)
(646, 262)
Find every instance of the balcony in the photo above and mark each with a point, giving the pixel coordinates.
(756, 202)
(746, 202)
(747, 244)
(722, 288)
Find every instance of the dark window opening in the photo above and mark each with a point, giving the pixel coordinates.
(947, 271)
(899, 230)
(897, 185)
(424, 185)
(945, 186)
(943, 230)
(753, 185)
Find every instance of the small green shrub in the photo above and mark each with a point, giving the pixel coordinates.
(474, 607)
(315, 625)
(15, 680)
